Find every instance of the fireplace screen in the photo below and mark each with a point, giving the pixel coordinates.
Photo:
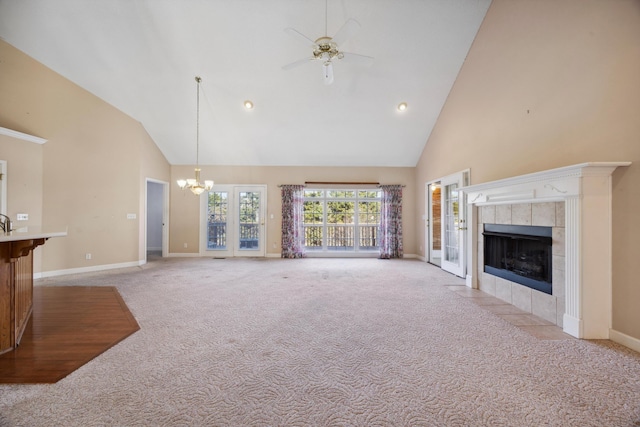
(519, 253)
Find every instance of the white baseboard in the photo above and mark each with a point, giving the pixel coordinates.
(91, 269)
(625, 340)
(469, 281)
(572, 326)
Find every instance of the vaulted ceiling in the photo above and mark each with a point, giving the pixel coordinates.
(142, 57)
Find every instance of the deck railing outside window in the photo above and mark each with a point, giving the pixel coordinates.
(341, 220)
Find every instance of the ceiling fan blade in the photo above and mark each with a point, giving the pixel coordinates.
(357, 58)
(300, 37)
(348, 30)
(297, 63)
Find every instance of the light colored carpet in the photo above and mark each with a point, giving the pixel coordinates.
(318, 342)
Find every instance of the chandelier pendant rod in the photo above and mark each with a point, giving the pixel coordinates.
(194, 184)
(198, 79)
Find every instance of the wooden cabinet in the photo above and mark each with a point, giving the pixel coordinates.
(16, 283)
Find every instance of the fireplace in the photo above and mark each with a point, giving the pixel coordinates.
(519, 253)
(581, 232)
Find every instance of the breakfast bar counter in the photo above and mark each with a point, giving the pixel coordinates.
(16, 280)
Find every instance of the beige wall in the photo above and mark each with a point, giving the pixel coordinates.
(548, 84)
(93, 165)
(184, 212)
(24, 184)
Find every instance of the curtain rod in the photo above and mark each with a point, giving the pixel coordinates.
(335, 183)
(345, 183)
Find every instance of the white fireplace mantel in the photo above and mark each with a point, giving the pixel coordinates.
(586, 190)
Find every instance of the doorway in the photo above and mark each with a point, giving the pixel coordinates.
(433, 228)
(157, 208)
(445, 230)
(233, 221)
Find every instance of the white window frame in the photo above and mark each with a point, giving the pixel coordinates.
(356, 251)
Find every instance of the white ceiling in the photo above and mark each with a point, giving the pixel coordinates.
(142, 56)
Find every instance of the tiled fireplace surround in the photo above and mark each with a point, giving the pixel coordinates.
(576, 202)
(546, 214)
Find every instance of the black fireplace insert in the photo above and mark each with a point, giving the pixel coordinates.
(519, 253)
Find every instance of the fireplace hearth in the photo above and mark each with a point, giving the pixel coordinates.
(519, 253)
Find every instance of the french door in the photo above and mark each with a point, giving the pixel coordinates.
(233, 221)
(453, 220)
(433, 225)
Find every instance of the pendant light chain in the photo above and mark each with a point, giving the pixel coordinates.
(198, 79)
(194, 185)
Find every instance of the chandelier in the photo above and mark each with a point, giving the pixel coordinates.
(194, 184)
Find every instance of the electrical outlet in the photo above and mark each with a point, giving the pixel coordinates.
(131, 216)
(185, 246)
(87, 256)
(22, 217)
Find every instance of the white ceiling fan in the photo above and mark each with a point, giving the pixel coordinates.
(326, 49)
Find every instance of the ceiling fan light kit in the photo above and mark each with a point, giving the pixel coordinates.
(326, 49)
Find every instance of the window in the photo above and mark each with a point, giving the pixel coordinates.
(341, 220)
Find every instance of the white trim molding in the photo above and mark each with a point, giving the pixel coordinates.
(625, 340)
(586, 190)
(92, 269)
(22, 136)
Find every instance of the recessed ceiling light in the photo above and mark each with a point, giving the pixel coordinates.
(248, 105)
(402, 106)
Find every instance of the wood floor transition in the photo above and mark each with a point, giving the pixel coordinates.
(70, 326)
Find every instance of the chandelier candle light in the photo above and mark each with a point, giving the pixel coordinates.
(194, 184)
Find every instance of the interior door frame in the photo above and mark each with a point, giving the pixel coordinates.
(165, 215)
(232, 225)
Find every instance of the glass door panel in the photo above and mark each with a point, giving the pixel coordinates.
(217, 225)
(434, 223)
(452, 218)
(249, 215)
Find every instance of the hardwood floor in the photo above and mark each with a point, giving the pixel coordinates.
(70, 326)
